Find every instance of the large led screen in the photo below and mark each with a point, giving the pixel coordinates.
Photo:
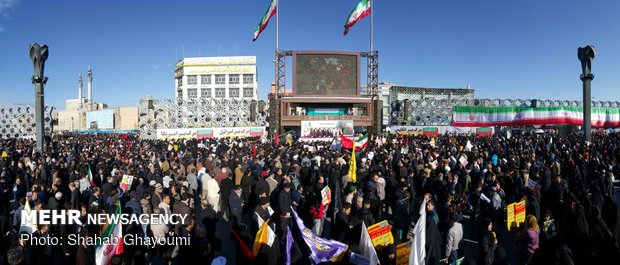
(326, 74)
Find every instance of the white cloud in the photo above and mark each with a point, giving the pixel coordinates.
(6, 6)
(155, 66)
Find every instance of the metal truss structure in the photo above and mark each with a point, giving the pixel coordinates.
(19, 121)
(279, 82)
(432, 111)
(156, 114)
(372, 71)
(280, 78)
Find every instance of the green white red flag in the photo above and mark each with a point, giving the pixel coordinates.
(360, 143)
(360, 11)
(476, 116)
(263, 22)
(114, 243)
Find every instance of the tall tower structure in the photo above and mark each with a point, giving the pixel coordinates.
(89, 77)
(80, 84)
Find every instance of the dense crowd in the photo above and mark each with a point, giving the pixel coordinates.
(230, 186)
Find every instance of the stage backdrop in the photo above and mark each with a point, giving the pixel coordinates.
(326, 129)
(517, 116)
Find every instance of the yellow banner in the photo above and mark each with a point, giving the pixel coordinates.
(402, 253)
(515, 214)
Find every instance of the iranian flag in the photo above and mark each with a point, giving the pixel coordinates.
(471, 116)
(204, 134)
(360, 143)
(263, 22)
(360, 11)
(112, 239)
(256, 132)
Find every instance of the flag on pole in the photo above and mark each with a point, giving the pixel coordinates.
(418, 251)
(366, 246)
(247, 253)
(360, 11)
(271, 11)
(353, 166)
(265, 235)
(321, 249)
(27, 225)
(360, 143)
(114, 244)
(275, 137)
(289, 245)
(90, 177)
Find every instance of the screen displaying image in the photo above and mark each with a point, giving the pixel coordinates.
(326, 74)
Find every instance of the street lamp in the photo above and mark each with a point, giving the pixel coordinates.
(72, 124)
(586, 55)
(38, 54)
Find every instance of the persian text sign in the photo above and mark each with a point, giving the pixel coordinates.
(208, 133)
(402, 253)
(515, 214)
(381, 234)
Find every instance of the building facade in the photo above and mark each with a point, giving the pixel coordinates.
(233, 77)
(389, 93)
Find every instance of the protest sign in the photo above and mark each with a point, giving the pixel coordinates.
(381, 234)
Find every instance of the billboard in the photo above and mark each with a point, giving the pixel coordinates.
(100, 119)
(322, 73)
(326, 129)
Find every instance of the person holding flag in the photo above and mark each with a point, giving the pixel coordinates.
(114, 246)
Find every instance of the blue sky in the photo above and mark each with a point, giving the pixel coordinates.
(503, 49)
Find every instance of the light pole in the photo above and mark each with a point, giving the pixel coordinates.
(38, 54)
(72, 124)
(586, 55)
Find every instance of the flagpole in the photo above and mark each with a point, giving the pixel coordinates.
(371, 26)
(277, 22)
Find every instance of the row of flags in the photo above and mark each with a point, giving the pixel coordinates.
(361, 10)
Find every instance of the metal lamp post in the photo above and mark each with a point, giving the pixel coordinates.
(39, 55)
(586, 55)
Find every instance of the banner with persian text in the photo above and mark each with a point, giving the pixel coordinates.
(210, 133)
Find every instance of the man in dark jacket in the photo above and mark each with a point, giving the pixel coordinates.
(342, 225)
(235, 203)
(182, 207)
(284, 203)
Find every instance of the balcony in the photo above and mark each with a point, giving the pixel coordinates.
(295, 120)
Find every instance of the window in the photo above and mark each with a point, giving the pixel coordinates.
(248, 92)
(205, 92)
(192, 93)
(179, 93)
(220, 92)
(233, 92)
(179, 82)
(205, 79)
(220, 79)
(191, 80)
(248, 79)
(233, 79)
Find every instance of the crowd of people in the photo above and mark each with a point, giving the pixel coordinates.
(230, 186)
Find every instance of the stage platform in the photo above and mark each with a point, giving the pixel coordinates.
(302, 108)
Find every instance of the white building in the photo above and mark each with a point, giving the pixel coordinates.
(216, 77)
